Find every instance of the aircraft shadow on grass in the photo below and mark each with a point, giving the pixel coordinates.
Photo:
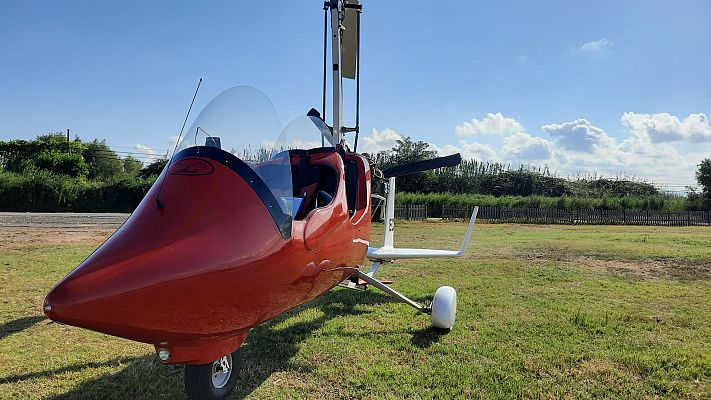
(18, 325)
(268, 350)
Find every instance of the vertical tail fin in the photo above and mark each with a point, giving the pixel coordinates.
(390, 215)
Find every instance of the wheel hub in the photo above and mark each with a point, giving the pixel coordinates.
(221, 371)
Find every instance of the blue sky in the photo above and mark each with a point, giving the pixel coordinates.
(610, 86)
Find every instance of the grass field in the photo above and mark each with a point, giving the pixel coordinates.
(544, 312)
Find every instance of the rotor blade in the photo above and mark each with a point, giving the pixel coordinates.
(419, 166)
(315, 117)
(349, 43)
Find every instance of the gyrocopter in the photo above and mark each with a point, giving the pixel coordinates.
(240, 228)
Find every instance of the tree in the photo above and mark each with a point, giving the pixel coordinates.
(103, 162)
(407, 151)
(703, 176)
(19, 155)
(62, 163)
(153, 169)
(132, 166)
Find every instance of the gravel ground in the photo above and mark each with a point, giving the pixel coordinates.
(68, 221)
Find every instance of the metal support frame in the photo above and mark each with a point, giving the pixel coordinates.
(374, 268)
(353, 284)
(394, 293)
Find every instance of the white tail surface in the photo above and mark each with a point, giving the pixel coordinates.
(389, 216)
(388, 252)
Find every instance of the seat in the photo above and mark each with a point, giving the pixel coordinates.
(351, 169)
(305, 183)
(323, 198)
(316, 184)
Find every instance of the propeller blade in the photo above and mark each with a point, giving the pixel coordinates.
(425, 165)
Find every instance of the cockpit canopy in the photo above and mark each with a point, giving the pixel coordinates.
(242, 121)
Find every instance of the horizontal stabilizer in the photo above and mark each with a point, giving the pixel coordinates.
(419, 166)
(387, 253)
(396, 254)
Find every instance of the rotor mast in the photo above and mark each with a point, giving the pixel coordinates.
(337, 15)
(345, 57)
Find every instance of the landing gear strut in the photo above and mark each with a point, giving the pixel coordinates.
(443, 310)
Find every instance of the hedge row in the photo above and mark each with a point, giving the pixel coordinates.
(46, 192)
(435, 202)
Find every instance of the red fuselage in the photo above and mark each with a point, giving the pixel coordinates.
(194, 275)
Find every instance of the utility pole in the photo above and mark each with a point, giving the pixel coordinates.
(69, 146)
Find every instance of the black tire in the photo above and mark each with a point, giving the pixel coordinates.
(199, 384)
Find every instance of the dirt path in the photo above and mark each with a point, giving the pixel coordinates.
(19, 229)
(72, 221)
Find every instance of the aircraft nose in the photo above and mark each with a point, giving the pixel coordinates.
(175, 269)
(47, 308)
(51, 307)
(61, 304)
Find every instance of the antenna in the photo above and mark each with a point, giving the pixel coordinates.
(159, 203)
(186, 117)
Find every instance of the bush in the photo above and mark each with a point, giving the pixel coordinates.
(36, 191)
(435, 202)
(153, 169)
(72, 165)
(103, 162)
(42, 191)
(703, 176)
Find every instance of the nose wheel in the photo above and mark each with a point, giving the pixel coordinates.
(444, 308)
(213, 381)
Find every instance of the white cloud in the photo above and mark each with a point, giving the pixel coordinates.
(377, 141)
(148, 152)
(491, 124)
(663, 127)
(172, 142)
(597, 46)
(468, 150)
(522, 59)
(142, 148)
(583, 147)
(659, 147)
(579, 135)
(445, 150)
(478, 151)
(527, 147)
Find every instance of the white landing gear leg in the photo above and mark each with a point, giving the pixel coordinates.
(443, 310)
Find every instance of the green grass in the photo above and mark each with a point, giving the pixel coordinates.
(544, 312)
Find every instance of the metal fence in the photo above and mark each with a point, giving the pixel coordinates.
(583, 217)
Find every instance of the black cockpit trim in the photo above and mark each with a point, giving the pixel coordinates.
(282, 220)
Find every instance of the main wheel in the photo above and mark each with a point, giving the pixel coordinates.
(444, 307)
(213, 381)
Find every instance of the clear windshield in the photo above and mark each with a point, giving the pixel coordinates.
(305, 133)
(243, 122)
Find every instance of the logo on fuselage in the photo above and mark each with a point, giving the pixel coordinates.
(191, 166)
